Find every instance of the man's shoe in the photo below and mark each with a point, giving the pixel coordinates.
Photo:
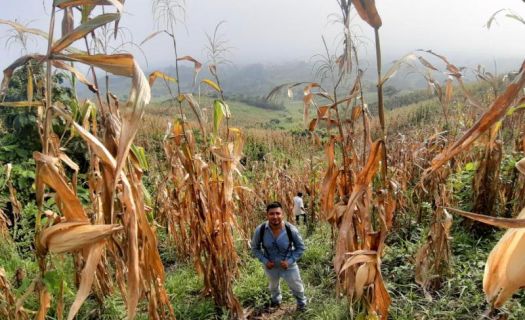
(301, 308)
(275, 304)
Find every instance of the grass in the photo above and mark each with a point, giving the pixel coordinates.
(243, 114)
(461, 296)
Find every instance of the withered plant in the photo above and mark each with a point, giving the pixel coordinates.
(503, 274)
(111, 240)
(433, 258)
(201, 198)
(197, 196)
(362, 216)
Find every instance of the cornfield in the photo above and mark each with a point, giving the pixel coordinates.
(182, 179)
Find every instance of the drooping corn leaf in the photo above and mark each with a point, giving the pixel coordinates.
(8, 72)
(70, 3)
(82, 30)
(368, 12)
(397, 65)
(151, 36)
(196, 64)
(490, 220)
(86, 277)
(48, 173)
(496, 111)
(23, 29)
(158, 74)
(212, 84)
(505, 267)
(117, 64)
(79, 75)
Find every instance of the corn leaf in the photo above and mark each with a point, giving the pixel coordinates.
(117, 64)
(368, 12)
(83, 30)
(72, 236)
(151, 36)
(86, 277)
(21, 104)
(73, 3)
(397, 65)
(212, 84)
(8, 72)
(496, 111)
(490, 220)
(140, 155)
(79, 75)
(158, 74)
(23, 29)
(68, 22)
(218, 113)
(505, 268)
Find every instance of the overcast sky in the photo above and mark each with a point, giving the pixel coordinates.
(275, 31)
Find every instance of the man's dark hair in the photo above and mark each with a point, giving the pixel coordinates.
(299, 194)
(273, 205)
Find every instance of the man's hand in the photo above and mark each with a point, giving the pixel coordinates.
(270, 264)
(284, 264)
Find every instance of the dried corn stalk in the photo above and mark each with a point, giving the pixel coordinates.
(204, 205)
(359, 247)
(10, 309)
(117, 242)
(433, 258)
(504, 269)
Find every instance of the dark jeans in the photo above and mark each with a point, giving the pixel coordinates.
(298, 218)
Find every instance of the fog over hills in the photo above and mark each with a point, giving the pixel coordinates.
(258, 79)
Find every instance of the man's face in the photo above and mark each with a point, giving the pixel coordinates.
(275, 216)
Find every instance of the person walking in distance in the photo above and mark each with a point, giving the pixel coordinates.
(298, 208)
(278, 245)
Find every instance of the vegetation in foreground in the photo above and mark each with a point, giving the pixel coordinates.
(92, 221)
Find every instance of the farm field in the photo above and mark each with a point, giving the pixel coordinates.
(135, 192)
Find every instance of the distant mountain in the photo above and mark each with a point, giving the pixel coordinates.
(257, 80)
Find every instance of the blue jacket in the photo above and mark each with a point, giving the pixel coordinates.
(277, 246)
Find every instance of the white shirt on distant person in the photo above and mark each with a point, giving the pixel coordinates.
(298, 205)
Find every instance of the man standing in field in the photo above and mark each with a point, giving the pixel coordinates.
(278, 245)
(298, 208)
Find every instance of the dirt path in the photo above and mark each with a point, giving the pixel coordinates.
(283, 311)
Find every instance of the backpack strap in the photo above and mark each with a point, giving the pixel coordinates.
(262, 228)
(289, 234)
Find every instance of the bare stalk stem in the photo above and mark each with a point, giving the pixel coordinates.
(380, 106)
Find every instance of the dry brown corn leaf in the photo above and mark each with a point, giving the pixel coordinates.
(45, 304)
(23, 29)
(368, 12)
(8, 72)
(71, 236)
(68, 202)
(80, 76)
(329, 184)
(493, 221)
(158, 74)
(86, 278)
(496, 111)
(362, 182)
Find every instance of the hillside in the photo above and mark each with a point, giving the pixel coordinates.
(341, 194)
